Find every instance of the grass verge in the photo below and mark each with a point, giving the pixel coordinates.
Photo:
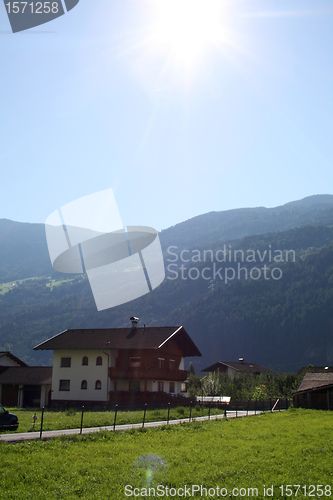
(71, 418)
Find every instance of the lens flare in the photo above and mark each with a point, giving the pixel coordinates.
(150, 464)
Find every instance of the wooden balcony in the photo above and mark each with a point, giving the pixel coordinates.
(147, 374)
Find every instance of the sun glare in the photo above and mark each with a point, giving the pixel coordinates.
(186, 28)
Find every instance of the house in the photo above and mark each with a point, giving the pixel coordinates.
(97, 366)
(22, 385)
(315, 391)
(234, 369)
(315, 369)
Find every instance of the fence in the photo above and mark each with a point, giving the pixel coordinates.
(191, 412)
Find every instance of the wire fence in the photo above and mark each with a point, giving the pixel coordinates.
(87, 418)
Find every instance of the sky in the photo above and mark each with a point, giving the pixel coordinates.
(181, 107)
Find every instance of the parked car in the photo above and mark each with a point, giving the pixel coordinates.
(8, 421)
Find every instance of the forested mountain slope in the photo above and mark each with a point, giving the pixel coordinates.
(283, 322)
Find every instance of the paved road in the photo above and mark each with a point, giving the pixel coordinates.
(30, 436)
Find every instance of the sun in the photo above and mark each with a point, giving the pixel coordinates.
(185, 29)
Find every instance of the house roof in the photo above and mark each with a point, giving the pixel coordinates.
(13, 357)
(27, 375)
(122, 338)
(315, 369)
(238, 366)
(313, 381)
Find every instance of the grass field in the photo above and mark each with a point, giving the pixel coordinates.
(71, 418)
(253, 454)
(48, 281)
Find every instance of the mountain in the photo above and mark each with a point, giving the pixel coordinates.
(24, 254)
(237, 223)
(282, 320)
(23, 251)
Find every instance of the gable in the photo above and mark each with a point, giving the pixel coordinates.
(9, 359)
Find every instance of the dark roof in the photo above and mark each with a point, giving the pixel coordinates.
(313, 381)
(238, 366)
(27, 375)
(315, 369)
(122, 338)
(13, 357)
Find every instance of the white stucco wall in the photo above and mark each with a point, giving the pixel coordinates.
(113, 355)
(76, 373)
(43, 395)
(91, 373)
(5, 360)
(231, 372)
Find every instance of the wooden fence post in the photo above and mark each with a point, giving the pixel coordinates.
(144, 415)
(115, 417)
(81, 420)
(41, 424)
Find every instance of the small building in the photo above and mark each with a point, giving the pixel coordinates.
(315, 391)
(22, 385)
(97, 366)
(234, 369)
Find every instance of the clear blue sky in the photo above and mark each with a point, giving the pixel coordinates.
(93, 100)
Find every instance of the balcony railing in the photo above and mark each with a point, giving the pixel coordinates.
(147, 374)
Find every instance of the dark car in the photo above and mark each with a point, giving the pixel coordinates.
(8, 421)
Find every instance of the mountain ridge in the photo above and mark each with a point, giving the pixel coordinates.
(264, 321)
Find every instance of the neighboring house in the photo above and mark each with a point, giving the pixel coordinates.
(234, 369)
(315, 391)
(99, 365)
(22, 385)
(8, 359)
(315, 369)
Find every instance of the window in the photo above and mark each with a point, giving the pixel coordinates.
(172, 364)
(98, 385)
(64, 385)
(171, 387)
(84, 384)
(134, 385)
(85, 361)
(183, 387)
(160, 386)
(99, 361)
(65, 362)
(161, 362)
(135, 362)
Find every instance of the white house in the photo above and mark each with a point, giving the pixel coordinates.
(102, 365)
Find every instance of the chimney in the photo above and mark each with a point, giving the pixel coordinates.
(241, 360)
(134, 322)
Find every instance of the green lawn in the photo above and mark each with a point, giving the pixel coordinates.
(264, 451)
(51, 283)
(71, 419)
